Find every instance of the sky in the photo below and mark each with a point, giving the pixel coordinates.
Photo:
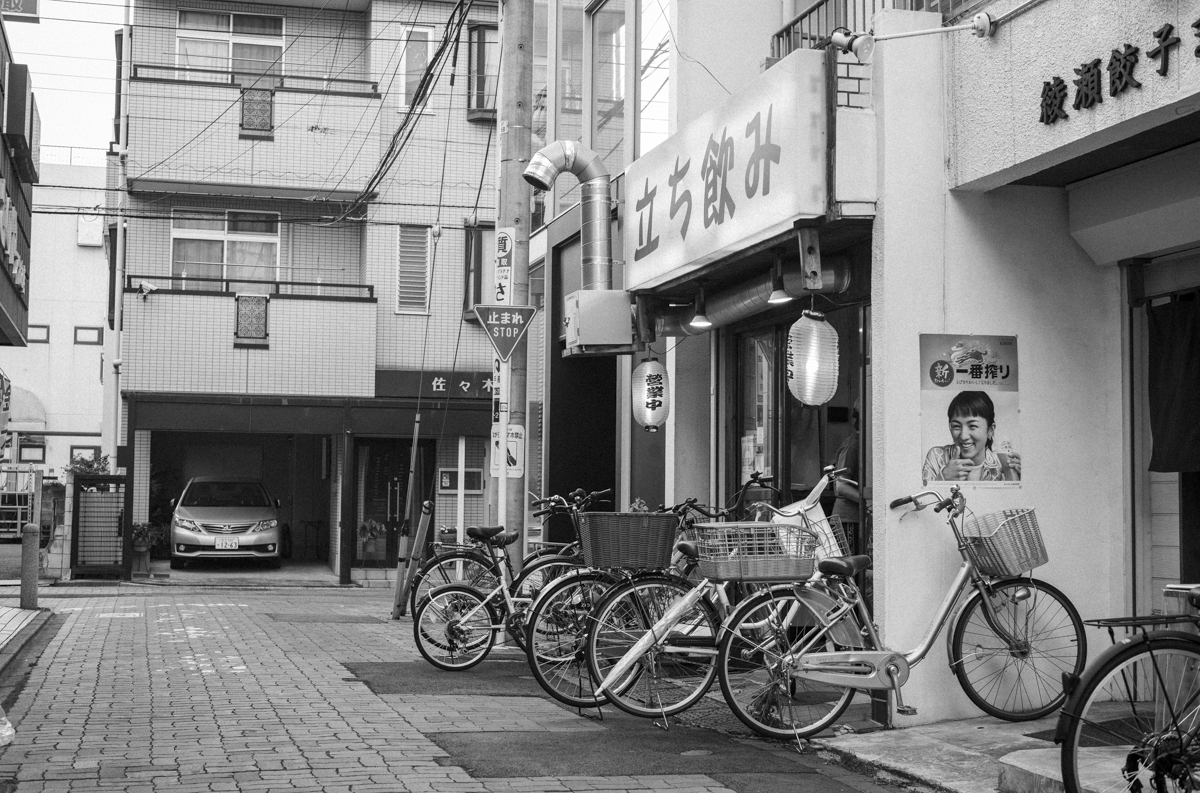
(72, 63)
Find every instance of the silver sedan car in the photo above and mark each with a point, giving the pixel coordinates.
(225, 518)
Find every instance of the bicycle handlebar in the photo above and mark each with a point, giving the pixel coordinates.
(955, 499)
(900, 502)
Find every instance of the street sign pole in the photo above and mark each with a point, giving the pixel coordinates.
(514, 122)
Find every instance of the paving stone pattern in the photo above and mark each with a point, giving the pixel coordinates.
(206, 691)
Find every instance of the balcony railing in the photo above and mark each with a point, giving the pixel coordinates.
(301, 83)
(148, 284)
(821, 18)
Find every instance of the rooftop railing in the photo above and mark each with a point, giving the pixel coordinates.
(303, 83)
(187, 283)
(807, 29)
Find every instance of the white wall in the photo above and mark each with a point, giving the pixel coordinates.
(999, 263)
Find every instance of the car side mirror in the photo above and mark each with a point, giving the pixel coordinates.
(277, 504)
(172, 503)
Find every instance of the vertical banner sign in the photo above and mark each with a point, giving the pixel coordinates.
(970, 414)
(515, 451)
(505, 239)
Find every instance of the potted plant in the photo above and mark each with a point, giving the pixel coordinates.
(145, 536)
(369, 533)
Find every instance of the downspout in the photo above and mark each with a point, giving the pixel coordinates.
(595, 203)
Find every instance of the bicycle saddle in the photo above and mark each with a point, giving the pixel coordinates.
(483, 532)
(688, 548)
(845, 566)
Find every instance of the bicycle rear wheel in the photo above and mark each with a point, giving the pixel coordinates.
(471, 568)
(1022, 682)
(758, 682)
(529, 583)
(676, 670)
(556, 637)
(1132, 724)
(453, 627)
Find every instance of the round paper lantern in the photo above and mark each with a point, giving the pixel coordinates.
(651, 395)
(812, 359)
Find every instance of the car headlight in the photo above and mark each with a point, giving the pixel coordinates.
(184, 523)
(265, 525)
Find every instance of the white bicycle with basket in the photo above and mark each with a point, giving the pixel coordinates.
(792, 658)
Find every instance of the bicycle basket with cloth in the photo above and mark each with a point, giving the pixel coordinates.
(1006, 543)
(635, 540)
(755, 551)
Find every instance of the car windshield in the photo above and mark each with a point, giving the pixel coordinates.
(226, 494)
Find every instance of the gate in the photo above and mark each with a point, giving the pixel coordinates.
(98, 526)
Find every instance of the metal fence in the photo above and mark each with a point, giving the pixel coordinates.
(821, 18)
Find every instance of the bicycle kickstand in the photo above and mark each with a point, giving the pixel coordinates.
(901, 708)
(666, 722)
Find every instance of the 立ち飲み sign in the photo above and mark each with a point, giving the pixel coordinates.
(739, 174)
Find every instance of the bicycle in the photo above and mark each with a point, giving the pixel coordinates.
(1132, 720)
(471, 565)
(792, 657)
(655, 643)
(558, 622)
(455, 625)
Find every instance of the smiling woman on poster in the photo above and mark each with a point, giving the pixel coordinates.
(971, 458)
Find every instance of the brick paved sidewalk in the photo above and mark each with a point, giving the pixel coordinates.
(246, 691)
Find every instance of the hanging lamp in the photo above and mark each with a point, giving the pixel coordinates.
(698, 318)
(812, 359)
(650, 394)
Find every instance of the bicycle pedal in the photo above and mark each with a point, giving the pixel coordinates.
(906, 710)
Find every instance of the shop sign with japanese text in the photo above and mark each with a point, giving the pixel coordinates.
(739, 174)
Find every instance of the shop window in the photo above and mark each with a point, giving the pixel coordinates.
(89, 335)
(757, 404)
(38, 334)
(245, 49)
(569, 122)
(480, 246)
(224, 251)
(413, 61)
(412, 270)
(483, 72)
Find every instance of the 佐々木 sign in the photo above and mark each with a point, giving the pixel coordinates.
(740, 173)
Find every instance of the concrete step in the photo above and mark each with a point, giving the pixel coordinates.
(1032, 771)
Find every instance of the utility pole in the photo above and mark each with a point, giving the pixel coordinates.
(515, 117)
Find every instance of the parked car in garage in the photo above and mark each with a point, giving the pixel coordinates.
(225, 518)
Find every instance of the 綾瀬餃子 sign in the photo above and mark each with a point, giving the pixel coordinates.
(741, 173)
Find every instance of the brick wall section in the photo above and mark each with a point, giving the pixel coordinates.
(184, 343)
(141, 476)
(854, 82)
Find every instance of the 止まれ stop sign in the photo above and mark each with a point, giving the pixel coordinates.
(505, 326)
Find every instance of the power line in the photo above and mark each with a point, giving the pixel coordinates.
(115, 213)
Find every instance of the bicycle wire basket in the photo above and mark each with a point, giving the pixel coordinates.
(755, 551)
(1006, 543)
(635, 540)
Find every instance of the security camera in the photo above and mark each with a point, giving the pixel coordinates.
(146, 288)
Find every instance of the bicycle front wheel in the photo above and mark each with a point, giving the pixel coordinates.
(1132, 723)
(470, 568)
(556, 638)
(677, 669)
(757, 680)
(1022, 681)
(529, 583)
(453, 627)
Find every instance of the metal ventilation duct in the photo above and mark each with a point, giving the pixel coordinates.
(595, 203)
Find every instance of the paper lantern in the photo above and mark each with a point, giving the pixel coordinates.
(651, 395)
(812, 359)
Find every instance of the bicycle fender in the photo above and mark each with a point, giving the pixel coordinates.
(845, 631)
(1070, 711)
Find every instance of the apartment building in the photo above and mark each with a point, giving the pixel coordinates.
(307, 202)
(19, 162)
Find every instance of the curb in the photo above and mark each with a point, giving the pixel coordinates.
(17, 643)
(882, 770)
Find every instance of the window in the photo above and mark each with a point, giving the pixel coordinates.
(214, 249)
(608, 84)
(245, 49)
(654, 76)
(32, 454)
(448, 480)
(38, 334)
(483, 72)
(480, 250)
(569, 121)
(251, 320)
(414, 59)
(85, 453)
(412, 270)
(89, 335)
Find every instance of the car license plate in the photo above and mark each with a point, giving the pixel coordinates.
(227, 543)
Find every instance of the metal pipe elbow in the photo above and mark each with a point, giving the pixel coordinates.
(563, 155)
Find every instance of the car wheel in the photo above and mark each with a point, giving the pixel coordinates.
(177, 564)
(274, 564)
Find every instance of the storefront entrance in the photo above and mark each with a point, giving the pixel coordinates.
(385, 520)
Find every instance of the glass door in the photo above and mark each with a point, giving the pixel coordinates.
(385, 521)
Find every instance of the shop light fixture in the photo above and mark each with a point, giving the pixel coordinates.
(698, 318)
(779, 295)
(812, 359)
(862, 45)
(651, 394)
